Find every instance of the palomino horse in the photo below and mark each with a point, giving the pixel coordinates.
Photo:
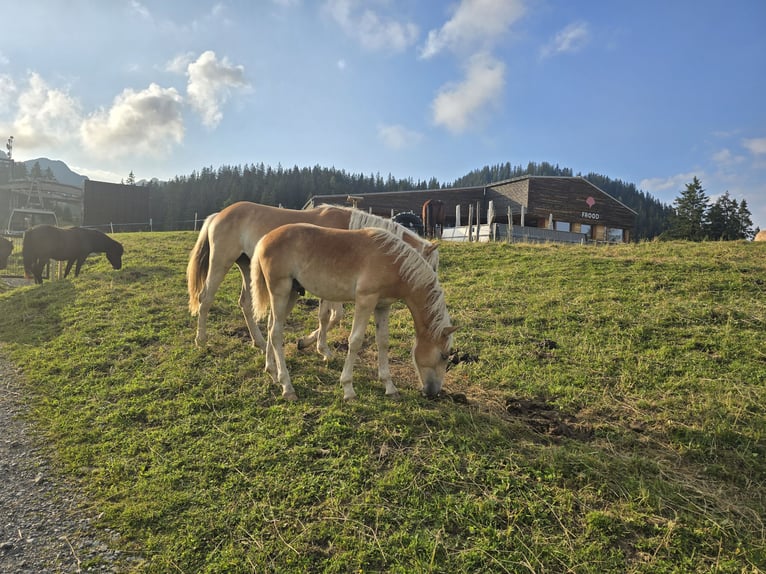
(230, 236)
(372, 268)
(71, 244)
(434, 216)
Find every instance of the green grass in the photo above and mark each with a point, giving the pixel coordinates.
(616, 417)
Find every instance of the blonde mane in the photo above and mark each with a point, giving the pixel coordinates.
(359, 219)
(415, 271)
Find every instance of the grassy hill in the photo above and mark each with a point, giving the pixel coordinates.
(616, 417)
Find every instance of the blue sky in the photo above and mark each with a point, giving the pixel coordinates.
(649, 92)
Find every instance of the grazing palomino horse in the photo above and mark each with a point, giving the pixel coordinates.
(6, 247)
(371, 267)
(230, 236)
(71, 244)
(434, 216)
(760, 236)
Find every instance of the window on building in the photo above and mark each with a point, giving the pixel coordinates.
(562, 226)
(614, 236)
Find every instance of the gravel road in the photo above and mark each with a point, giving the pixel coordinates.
(46, 524)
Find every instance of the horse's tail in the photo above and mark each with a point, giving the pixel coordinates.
(199, 265)
(259, 291)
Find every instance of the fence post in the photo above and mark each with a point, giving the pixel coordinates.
(470, 222)
(478, 220)
(510, 224)
(111, 226)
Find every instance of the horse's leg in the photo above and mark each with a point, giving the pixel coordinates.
(69, 264)
(246, 304)
(37, 271)
(77, 267)
(330, 315)
(213, 281)
(381, 341)
(282, 300)
(362, 311)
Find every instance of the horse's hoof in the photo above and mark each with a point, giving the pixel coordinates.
(350, 398)
(394, 396)
(291, 396)
(300, 345)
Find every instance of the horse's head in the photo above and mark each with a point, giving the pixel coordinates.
(114, 255)
(431, 358)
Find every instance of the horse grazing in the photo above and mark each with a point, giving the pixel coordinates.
(230, 236)
(371, 267)
(71, 244)
(6, 247)
(434, 216)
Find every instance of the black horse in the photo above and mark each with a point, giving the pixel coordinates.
(6, 247)
(71, 244)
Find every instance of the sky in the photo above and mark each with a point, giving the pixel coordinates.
(650, 92)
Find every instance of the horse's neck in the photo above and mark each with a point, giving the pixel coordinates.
(100, 243)
(426, 304)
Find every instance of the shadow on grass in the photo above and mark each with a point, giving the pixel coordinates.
(33, 315)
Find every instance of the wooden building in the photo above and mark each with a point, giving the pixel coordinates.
(570, 204)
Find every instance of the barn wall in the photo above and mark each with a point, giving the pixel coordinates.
(575, 200)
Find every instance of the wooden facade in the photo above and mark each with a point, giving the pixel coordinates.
(567, 203)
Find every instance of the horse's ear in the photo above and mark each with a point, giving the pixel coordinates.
(449, 330)
(430, 249)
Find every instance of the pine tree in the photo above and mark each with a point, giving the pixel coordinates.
(745, 222)
(723, 219)
(690, 217)
(729, 220)
(37, 172)
(131, 179)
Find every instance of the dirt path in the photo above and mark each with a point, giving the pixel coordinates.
(44, 524)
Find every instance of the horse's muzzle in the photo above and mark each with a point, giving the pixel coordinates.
(431, 389)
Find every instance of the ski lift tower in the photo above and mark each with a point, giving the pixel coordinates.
(9, 158)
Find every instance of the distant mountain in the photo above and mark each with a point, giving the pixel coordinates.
(60, 170)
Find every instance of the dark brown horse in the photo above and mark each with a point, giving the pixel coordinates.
(72, 244)
(434, 215)
(6, 247)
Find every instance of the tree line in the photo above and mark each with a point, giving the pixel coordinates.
(696, 218)
(185, 198)
(209, 190)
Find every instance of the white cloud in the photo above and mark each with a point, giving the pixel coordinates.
(7, 92)
(141, 10)
(210, 84)
(456, 107)
(374, 32)
(725, 157)
(45, 116)
(398, 137)
(146, 123)
(673, 183)
(756, 146)
(571, 39)
(180, 63)
(474, 23)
